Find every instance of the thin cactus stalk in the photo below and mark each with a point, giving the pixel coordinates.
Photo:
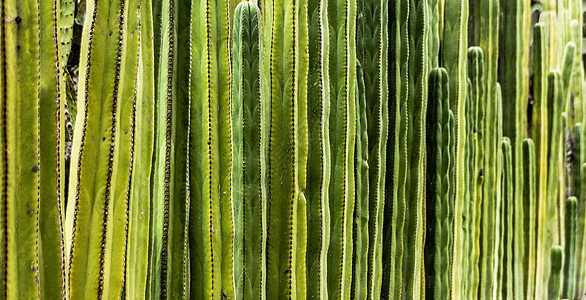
(529, 214)
(508, 207)
(569, 269)
(555, 277)
(211, 223)
(468, 232)
(582, 224)
(439, 146)
(139, 221)
(417, 102)
(397, 151)
(372, 51)
(453, 45)
(489, 20)
(477, 94)
(540, 134)
(342, 126)
(66, 11)
(287, 150)
(319, 155)
(361, 206)
(20, 94)
(248, 188)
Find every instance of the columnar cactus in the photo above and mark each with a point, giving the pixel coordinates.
(529, 214)
(568, 287)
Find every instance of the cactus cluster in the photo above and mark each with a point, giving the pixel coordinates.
(292, 149)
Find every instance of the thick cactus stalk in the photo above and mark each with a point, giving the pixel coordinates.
(571, 218)
(417, 104)
(372, 51)
(139, 221)
(529, 215)
(211, 222)
(555, 277)
(477, 94)
(20, 141)
(489, 20)
(97, 209)
(51, 242)
(540, 134)
(342, 126)
(453, 45)
(361, 208)
(397, 152)
(249, 191)
(439, 229)
(507, 224)
(468, 232)
(286, 219)
(513, 74)
(319, 156)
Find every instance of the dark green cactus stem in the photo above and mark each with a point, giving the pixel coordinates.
(286, 240)
(249, 191)
(417, 103)
(477, 94)
(566, 71)
(529, 214)
(319, 156)
(20, 141)
(397, 152)
(555, 278)
(540, 134)
(342, 126)
(372, 51)
(438, 247)
(211, 223)
(139, 221)
(361, 208)
(571, 218)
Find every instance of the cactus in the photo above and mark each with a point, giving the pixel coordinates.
(556, 261)
(529, 214)
(319, 154)
(249, 189)
(569, 269)
(438, 196)
(506, 286)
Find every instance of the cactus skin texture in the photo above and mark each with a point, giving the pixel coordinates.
(342, 126)
(286, 240)
(102, 153)
(20, 97)
(211, 223)
(569, 288)
(555, 277)
(529, 213)
(439, 143)
(319, 156)
(250, 219)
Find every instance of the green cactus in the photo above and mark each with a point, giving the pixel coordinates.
(439, 143)
(529, 214)
(555, 278)
(319, 155)
(569, 270)
(287, 150)
(248, 188)
(506, 286)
